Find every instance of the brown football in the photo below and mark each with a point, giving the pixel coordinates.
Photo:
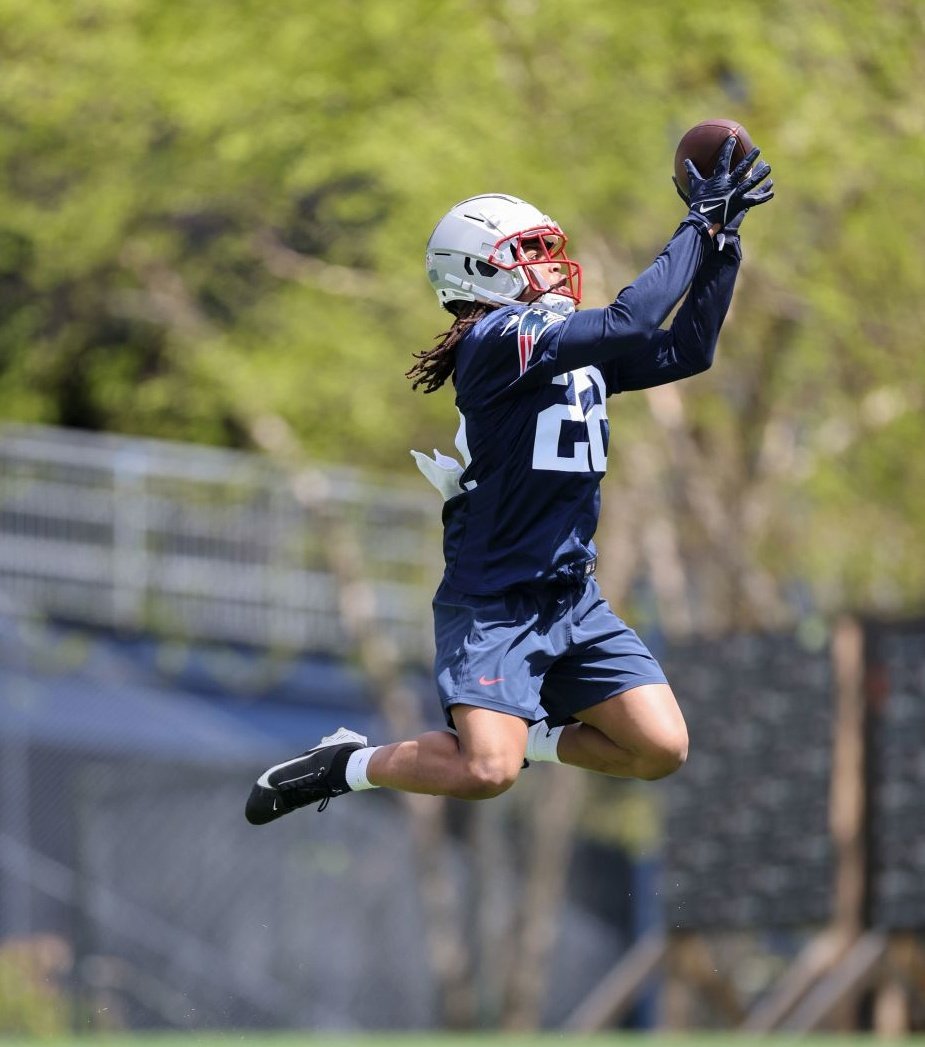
(702, 144)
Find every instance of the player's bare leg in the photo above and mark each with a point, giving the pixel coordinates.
(637, 734)
(481, 761)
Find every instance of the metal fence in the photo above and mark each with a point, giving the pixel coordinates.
(205, 543)
(132, 891)
(176, 914)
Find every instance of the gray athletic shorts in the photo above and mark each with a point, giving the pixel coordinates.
(535, 652)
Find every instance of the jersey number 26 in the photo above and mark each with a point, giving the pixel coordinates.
(588, 455)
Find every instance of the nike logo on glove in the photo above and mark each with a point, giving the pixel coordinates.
(712, 207)
(488, 683)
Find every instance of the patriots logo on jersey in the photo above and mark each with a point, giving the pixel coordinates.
(531, 326)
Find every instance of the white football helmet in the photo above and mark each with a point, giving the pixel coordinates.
(478, 253)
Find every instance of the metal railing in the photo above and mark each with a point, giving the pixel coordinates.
(205, 543)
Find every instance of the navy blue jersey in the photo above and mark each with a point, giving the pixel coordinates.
(531, 389)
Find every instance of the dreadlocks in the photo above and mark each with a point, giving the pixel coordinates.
(436, 365)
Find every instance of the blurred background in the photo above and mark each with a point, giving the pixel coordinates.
(214, 546)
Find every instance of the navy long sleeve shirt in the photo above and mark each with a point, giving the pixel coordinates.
(531, 389)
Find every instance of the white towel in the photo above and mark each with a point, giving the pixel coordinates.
(441, 470)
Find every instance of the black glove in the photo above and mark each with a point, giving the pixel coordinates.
(726, 195)
(730, 231)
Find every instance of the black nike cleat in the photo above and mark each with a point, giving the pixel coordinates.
(318, 774)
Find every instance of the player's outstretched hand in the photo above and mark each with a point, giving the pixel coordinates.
(725, 195)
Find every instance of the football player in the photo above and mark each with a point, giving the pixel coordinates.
(531, 661)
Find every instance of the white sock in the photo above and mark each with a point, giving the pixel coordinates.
(356, 769)
(542, 743)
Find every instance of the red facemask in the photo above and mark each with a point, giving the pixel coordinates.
(547, 243)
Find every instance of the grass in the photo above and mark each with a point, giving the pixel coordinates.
(427, 1039)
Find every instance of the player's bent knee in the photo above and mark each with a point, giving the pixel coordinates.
(486, 779)
(664, 757)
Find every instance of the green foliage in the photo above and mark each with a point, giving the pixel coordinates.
(32, 1003)
(212, 217)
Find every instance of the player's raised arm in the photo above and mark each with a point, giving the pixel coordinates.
(626, 336)
(596, 336)
(687, 347)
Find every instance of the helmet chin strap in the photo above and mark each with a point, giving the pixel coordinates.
(557, 303)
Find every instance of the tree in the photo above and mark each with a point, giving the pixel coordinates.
(212, 223)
